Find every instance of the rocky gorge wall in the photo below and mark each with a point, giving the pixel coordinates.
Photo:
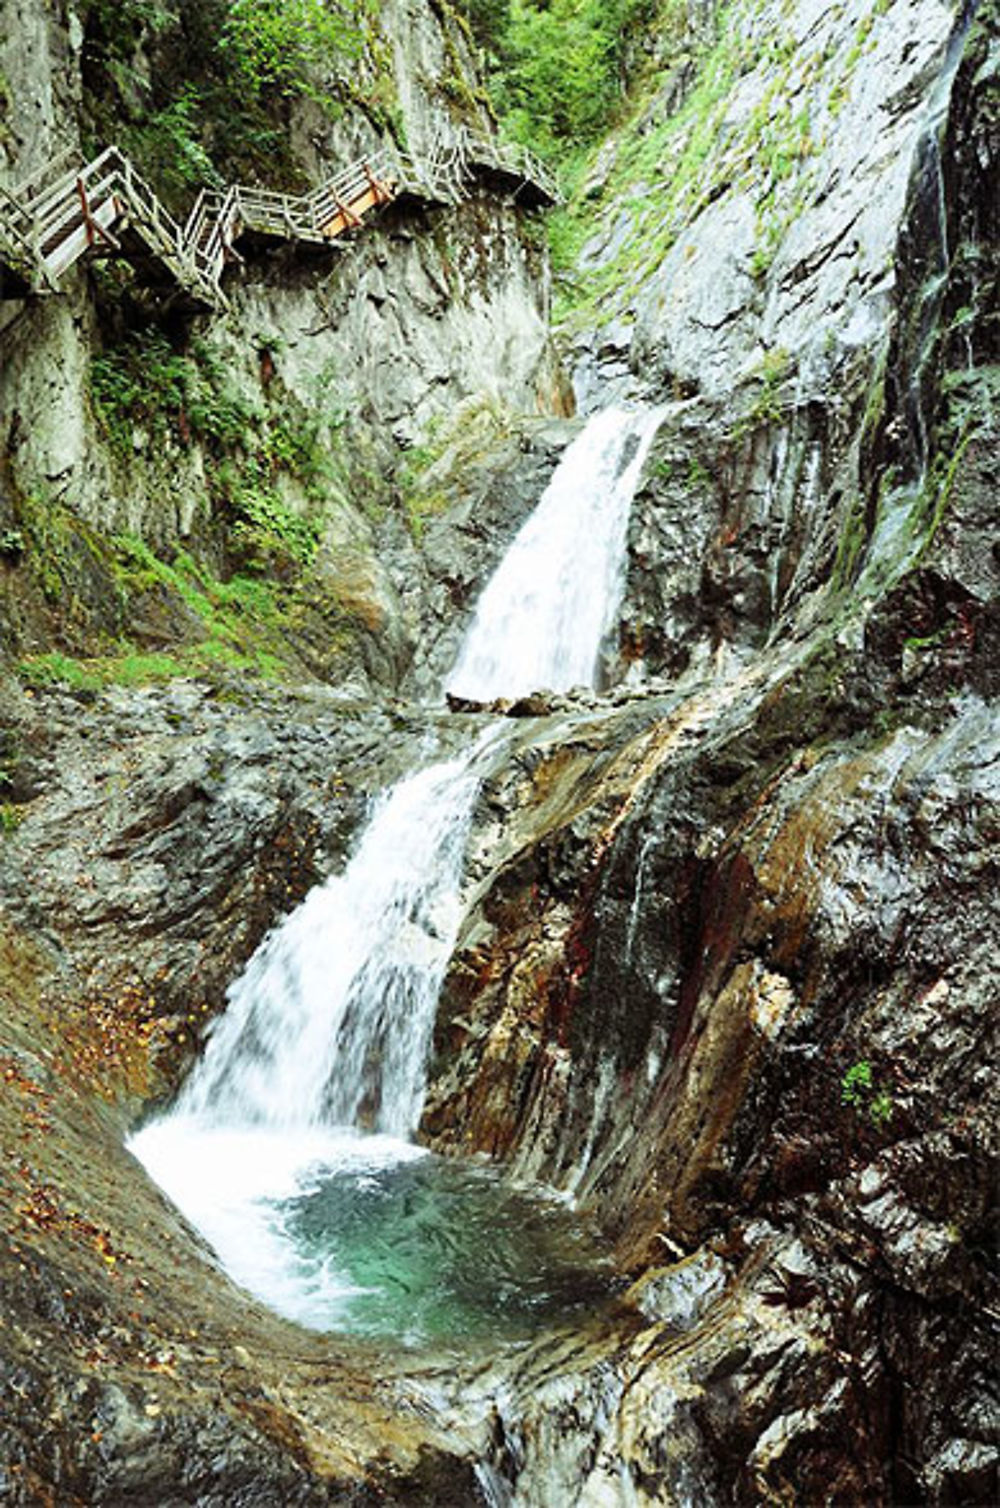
(285, 422)
(735, 915)
(726, 971)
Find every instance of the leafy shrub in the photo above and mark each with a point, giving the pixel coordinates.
(287, 45)
(560, 67)
(168, 145)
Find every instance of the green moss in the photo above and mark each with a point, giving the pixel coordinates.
(57, 669)
(62, 556)
(424, 487)
(6, 106)
(850, 544)
(918, 644)
(244, 619)
(133, 667)
(182, 397)
(941, 481)
(661, 170)
(664, 171)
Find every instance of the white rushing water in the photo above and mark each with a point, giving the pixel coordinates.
(331, 1020)
(541, 621)
(314, 1078)
(327, 1031)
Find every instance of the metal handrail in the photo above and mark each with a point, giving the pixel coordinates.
(28, 187)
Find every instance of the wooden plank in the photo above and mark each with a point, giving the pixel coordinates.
(73, 246)
(348, 217)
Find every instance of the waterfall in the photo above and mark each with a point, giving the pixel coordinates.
(326, 1034)
(297, 1118)
(542, 618)
(331, 1020)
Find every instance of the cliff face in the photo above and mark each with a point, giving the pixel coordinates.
(282, 424)
(735, 993)
(726, 969)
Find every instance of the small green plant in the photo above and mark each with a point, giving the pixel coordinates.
(770, 375)
(856, 1084)
(11, 817)
(184, 397)
(12, 544)
(858, 1088)
(880, 1108)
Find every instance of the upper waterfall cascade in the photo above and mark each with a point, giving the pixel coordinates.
(543, 617)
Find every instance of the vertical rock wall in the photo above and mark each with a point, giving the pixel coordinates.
(374, 343)
(727, 982)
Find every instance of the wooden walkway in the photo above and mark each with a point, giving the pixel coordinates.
(104, 208)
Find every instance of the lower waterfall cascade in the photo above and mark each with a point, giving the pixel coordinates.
(289, 1147)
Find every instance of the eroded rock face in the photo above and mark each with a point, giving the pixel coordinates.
(797, 256)
(736, 994)
(729, 982)
(160, 835)
(727, 967)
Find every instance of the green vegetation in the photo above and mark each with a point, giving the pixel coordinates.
(769, 377)
(12, 544)
(198, 94)
(430, 476)
(6, 104)
(116, 27)
(559, 69)
(249, 444)
(850, 542)
(422, 500)
(11, 817)
(668, 162)
(238, 624)
(288, 46)
(666, 169)
(168, 145)
(859, 1090)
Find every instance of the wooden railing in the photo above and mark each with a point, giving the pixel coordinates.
(70, 207)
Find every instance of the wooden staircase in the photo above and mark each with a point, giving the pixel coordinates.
(104, 208)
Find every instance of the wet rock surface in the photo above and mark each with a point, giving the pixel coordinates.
(727, 970)
(159, 835)
(734, 989)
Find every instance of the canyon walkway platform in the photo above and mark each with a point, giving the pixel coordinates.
(72, 209)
